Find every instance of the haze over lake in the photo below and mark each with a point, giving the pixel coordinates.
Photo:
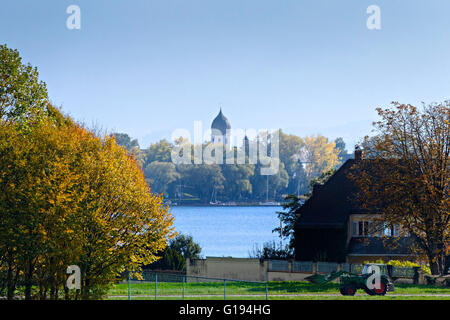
(227, 231)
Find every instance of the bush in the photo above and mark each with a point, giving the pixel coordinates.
(402, 264)
(271, 250)
(408, 264)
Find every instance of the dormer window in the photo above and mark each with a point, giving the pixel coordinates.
(392, 231)
(362, 228)
(367, 228)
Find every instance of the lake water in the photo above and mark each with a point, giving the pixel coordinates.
(227, 231)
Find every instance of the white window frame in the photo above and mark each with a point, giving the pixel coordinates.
(368, 229)
(362, 228)
(367, 226)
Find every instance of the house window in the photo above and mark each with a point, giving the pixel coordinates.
(392, 231)
(380, 231)
(362, 228)
(396, 230)
(365, 228)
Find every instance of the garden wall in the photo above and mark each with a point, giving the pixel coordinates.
(276, 270)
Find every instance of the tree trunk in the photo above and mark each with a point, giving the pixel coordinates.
(11, 279)
(436, 260)
(447, 265)
(85, 289)
(66, 293)
(29, 280)
(10, 287)
(434, 268)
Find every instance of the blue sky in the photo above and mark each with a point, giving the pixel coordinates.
(148, 67)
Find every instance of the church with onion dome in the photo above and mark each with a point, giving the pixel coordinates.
(220, 130)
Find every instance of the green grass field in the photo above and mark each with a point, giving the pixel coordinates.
(277, 290)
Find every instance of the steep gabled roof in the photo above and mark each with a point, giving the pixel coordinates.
(331, 204)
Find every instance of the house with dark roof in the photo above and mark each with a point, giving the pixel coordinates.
(333, 227)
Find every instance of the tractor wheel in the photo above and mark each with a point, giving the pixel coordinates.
(381, 291)
(348, 290)
(378, 292)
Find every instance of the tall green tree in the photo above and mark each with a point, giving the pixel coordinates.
(288, 218)
(202, 179)
(124, 140)
(160, 151)
(160, 175)
(236, 183)
(22, 94)
(186, 245)
(269, 186)
(170, 259)
(340, 145)
(174, 256)
(290, 147)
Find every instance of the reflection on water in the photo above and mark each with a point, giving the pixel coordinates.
(227, 231)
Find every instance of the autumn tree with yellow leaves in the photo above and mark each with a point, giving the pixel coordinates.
(405, 176)
(67, 197)
(318, 155)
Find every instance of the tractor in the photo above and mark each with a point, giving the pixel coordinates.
(351, 282)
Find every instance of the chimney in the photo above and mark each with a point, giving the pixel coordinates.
(358, 153)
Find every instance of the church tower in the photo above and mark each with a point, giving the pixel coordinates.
(220, 130)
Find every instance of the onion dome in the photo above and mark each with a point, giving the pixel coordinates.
(220, 123)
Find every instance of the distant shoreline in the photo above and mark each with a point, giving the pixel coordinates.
(222, 205)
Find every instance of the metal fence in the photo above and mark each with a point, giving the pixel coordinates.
(161, 285)
(278, 265)
(302, 266)
(404, 272)
(346, 267)
(326, 267)
(164, 285)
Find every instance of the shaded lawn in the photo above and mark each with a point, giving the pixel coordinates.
(330, 288)
(358, 297)
(285, 288)
(190, 288)
(291, 297)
